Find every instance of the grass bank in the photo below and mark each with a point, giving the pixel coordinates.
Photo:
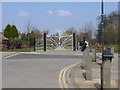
(48, 48)
(18, 50)
(68, 47)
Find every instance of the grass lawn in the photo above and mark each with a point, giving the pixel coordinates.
(116, 49)
(16, 50)
(68, 47)
(51, 48)
(27, 50)
(48, 48)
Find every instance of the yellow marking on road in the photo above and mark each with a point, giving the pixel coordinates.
(61, 79)
(11, 55)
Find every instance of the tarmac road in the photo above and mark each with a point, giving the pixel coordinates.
(36, 70)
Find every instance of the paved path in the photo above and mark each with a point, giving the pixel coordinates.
(79, 75)
(37, 70)
(60, 48)
(7, 53)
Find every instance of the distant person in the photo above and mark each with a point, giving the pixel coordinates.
(83, 46)
(80, 45)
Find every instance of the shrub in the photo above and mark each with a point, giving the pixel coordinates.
(3, 46)
(24, 46)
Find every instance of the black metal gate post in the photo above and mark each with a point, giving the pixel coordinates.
(34, 45)
(74, 42)
(84, 40)
(44, 36)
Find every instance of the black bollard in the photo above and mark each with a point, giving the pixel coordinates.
(84, 44)
(44, 41)
(84, 39)
(74, 42)
(34, 45)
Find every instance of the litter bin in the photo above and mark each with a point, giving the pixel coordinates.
(107, 55)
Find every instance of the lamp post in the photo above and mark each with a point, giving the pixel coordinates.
(102, 24)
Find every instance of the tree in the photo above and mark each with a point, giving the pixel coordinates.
(7, 32)
(99, 30)
(24, 38)
(110, 29)
(36, 32)
(28, 28)
(11, 32)
(87, 31)
(99, 33)
(69, 31)
(14, 31)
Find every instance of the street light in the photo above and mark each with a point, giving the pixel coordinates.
(102, 24)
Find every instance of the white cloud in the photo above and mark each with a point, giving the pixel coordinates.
(24, 13)
(64, 13)
(50, 12)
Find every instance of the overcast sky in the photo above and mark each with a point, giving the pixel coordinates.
(53, 15)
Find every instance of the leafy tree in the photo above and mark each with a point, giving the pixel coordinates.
(36, 33)
(17, 43)
(23, 37)
(7, 32)
(99, 30)
(11, 32)
(14, 31)
(110, 29)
